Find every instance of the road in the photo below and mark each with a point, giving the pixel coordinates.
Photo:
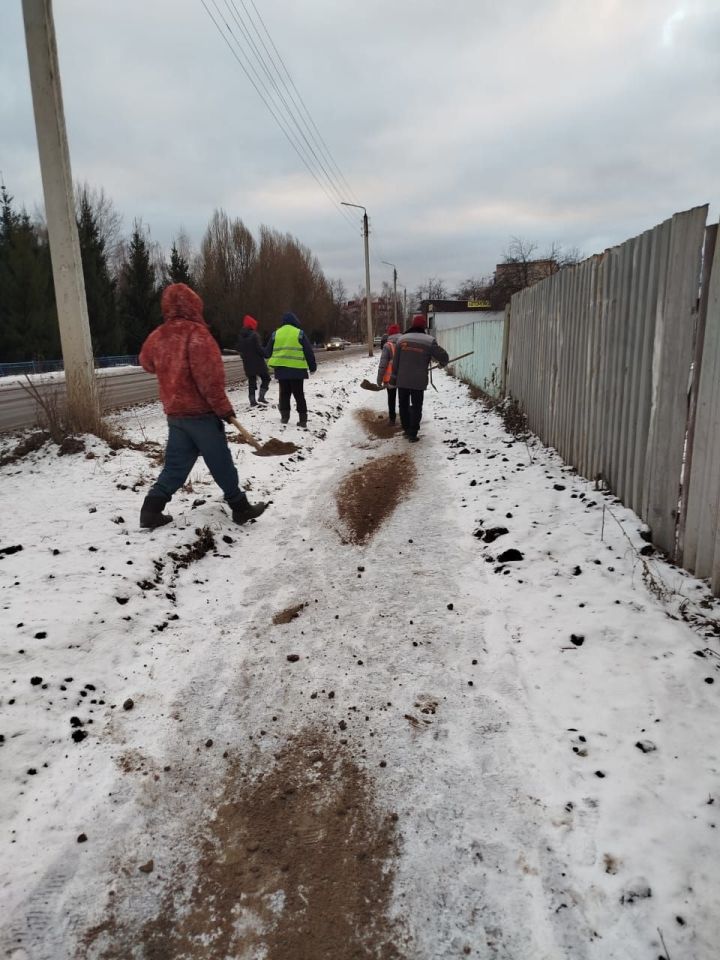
(119, 387)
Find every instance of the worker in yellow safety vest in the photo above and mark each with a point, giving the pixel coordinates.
(385, 368)
(291, 356)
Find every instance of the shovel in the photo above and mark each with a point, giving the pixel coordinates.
(436, 366)
(368, 385)
(273, 448)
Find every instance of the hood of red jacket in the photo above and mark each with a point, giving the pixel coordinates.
(179, 302)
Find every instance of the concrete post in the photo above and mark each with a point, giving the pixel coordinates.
(395, 296)
(82, 398)
(370, 332)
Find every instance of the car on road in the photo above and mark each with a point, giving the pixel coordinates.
(377, 341)
(335, 343)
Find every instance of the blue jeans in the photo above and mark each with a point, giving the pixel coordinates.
(188, 439)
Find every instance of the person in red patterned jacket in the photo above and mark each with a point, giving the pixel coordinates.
(186, 359)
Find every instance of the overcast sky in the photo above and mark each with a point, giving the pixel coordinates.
(457, 123)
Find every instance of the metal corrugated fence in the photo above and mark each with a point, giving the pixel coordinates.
(701, 530)
(484, 337)
(599, 358)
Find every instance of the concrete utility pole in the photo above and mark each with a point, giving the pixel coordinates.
(388, 264)
(80, 386)
(368, 301)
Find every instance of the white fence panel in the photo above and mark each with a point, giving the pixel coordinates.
(483, 338)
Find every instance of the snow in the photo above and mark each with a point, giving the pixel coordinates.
(512, 843)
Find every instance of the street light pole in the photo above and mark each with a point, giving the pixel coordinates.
(388, 264)
(367, 274)
(80, 387)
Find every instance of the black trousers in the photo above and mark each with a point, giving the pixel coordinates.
(411, 404)
(252, 384)
(293, 388)
(391, 394)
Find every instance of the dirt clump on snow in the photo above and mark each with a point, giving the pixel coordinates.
(377, 424)
(294, 866)
(30, 444)
(288, 614)
(192, 552)
(276, 448)
(271, 448)
(367, 496)
(70, 445)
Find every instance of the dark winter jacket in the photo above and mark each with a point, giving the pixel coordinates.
(384, 374)
(293, 373)
(186, 359)
(413, 354)
(250, 348)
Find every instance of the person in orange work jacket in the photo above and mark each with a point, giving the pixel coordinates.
(385, 368)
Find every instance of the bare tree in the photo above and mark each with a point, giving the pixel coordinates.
(474, 288)
(228, 255)
(433, 289)
(521, 267)
(564, 256)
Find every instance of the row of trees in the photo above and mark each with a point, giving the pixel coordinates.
(234, 272)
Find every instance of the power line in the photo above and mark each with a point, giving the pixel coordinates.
(257, 84)
(261, 91)
(235, 13)
(328, 153)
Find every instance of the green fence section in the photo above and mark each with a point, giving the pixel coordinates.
(482, 337)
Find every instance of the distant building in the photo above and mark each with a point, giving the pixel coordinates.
(523, 274)
(512, 277)
(382, 313)
(453, 306)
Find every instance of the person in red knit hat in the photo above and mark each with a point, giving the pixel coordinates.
(414, 353)
(384, 373)
(184, 356)
(250, 348)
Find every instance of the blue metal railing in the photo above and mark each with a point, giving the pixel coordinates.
(51, 366)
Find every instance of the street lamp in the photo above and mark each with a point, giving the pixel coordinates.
(367, 274)
(388, 264)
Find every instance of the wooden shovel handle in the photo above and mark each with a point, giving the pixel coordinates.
(245, 434)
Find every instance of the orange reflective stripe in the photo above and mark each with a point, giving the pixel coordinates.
(388, 369)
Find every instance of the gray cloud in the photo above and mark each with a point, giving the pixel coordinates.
(457, 124)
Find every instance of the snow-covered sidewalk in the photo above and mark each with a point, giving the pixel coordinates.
(292, 741)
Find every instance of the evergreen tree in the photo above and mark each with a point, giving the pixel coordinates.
(138, 293)
(179, 269)
(107, 335)
(28, 319)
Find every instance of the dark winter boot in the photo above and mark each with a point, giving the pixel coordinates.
(303, 424)
(251, 394)
(151, 512)
(243, 510)
(262, 395)
(285, 416)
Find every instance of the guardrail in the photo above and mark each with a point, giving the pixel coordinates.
(53, 366)
(117, 386)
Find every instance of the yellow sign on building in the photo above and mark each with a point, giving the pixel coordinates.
(478, 304)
